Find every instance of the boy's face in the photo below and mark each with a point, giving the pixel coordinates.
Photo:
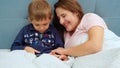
(41, 25)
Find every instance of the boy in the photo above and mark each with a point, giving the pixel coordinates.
(40, 36)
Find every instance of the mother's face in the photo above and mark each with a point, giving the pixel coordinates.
(68, 19)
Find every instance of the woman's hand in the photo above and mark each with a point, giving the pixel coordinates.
(31, 50)
(63, 57)
(59, 50)
(59, 56)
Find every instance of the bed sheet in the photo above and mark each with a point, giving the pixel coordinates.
(4, 50)
(23, 59)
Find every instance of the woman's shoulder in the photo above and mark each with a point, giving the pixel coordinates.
(91, 15)
(91, 19)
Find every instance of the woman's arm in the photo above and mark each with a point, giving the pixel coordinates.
(93, 45)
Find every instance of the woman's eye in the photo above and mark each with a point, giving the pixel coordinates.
(63, 15)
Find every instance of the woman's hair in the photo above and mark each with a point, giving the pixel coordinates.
(39, 10)
(70, 5)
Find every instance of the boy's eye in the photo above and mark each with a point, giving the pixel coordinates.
(36, 24)
(45, 24)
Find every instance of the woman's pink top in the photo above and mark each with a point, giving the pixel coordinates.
(89, 20)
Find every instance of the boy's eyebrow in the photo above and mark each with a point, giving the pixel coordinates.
(36, 24)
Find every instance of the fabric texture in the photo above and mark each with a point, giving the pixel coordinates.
(107, 58)
(23, 59)
(89, 20)
(111, 45)
(43, 42)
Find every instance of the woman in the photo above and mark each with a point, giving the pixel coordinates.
(85, 35)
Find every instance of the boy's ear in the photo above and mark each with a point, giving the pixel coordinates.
(29, 19)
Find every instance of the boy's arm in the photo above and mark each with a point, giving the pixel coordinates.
(58, 39)
(19, 43)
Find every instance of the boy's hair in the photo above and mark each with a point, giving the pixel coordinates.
(39, 10)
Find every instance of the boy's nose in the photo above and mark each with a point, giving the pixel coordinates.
(41, 29)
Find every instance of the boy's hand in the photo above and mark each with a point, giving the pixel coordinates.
(31, 50)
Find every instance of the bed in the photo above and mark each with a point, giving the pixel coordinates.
(13, 16)
(109, 57)
(23, 59)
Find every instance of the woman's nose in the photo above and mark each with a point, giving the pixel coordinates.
(61, 21)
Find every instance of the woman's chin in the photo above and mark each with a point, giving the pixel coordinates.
(68, 30)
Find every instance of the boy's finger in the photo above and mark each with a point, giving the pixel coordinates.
(36, 51)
